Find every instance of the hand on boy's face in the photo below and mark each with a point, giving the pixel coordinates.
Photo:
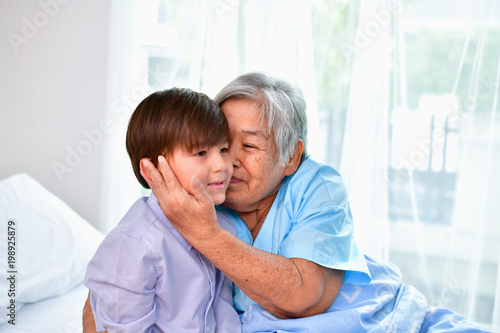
(190, 214)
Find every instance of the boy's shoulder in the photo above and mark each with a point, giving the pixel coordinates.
(136, 221)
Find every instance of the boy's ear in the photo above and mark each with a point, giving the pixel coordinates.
(144, 172)
(294, 161)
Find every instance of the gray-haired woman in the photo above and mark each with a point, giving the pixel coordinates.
(295, 247)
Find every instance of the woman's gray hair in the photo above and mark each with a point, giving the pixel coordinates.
(283, 108)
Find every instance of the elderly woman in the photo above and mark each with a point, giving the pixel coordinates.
(295, 247)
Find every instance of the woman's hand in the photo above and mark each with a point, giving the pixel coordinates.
(192, 215)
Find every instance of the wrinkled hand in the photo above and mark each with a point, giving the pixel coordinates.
(192, 215)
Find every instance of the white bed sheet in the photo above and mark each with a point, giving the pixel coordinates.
(61, 314)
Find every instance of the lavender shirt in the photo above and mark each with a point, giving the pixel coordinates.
(145, 277)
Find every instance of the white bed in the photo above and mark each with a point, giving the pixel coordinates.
(56, 314)
(53, 245)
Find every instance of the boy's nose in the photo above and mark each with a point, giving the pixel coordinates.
(218, 163)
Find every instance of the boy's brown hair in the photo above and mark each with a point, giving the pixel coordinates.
(171, 119)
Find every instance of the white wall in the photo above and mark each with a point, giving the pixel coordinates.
(53, 69)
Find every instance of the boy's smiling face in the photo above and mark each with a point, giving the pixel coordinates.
(212, 166)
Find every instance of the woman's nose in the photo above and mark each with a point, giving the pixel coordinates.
(233, 155)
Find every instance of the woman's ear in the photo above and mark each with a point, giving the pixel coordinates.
(294, 161)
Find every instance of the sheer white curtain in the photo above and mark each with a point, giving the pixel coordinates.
(365, 146)
(418, 155)
(475, 227)
(127, 86)
(402, 99)
(459, 261)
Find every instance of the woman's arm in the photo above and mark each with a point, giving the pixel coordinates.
(88, 320)
(288, 288)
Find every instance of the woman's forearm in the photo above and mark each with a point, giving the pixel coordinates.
(88, 321)
(288, 288)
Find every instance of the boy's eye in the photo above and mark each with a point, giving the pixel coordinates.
(224, 150)
(201, 153)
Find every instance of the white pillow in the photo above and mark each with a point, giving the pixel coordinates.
(53, 243)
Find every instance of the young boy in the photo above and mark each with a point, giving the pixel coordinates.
(145, 276)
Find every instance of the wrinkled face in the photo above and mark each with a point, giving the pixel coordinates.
(212, 166)
(257, 175)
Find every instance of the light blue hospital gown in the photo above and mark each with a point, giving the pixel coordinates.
(311, 219)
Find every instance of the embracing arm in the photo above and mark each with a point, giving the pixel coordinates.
(286, 287)
(88, 320)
